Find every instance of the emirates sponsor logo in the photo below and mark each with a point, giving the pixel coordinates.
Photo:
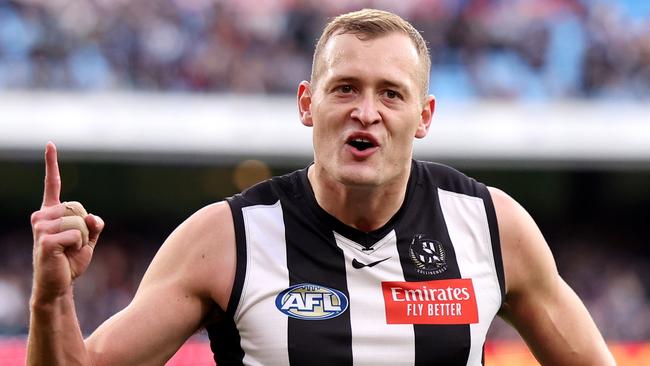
(430, 302)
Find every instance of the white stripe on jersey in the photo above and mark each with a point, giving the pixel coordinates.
(469, 231)
(374, 342)
(266, 271)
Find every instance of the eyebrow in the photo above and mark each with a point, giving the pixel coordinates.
(382, 83)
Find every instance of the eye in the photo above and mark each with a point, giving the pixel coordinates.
(391, 94)
(345, 89)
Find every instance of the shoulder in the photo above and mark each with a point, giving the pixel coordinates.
(526, 256)
(204, 221)
(441, 171)
(208, 228)
(270, 190)
(202, 252)
(449, 179)
(515, 224)
(509, 211)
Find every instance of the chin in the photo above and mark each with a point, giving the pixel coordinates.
(359, 177)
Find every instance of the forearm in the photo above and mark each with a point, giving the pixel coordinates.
(54, 334)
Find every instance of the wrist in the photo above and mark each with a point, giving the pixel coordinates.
(45, 301)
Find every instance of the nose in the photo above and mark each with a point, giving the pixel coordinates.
(366, 110)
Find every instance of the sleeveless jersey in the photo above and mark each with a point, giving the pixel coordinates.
(310, 290)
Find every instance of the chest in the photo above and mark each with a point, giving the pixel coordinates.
(424, 293)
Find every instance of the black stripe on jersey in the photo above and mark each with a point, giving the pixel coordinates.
(452, 342)
(225, 341)
(240, 272)
(496, 242)
(314, 257)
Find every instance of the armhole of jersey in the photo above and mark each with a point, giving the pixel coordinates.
(240, 242)
(494, 236)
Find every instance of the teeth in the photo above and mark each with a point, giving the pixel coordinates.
(361, 143)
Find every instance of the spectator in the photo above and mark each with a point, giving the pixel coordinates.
(513, 49)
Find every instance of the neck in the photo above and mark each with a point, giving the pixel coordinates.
(361, 207)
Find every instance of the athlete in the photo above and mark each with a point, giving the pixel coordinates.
(364, 257)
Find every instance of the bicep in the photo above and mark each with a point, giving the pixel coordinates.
(556, 326)
(539, 304)
(191, 273)
(148, 331)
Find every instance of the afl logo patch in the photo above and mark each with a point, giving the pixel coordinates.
(428, 255)
(308, 301)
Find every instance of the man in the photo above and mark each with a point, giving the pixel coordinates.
(365, 257)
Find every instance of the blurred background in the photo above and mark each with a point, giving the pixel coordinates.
(160, 107)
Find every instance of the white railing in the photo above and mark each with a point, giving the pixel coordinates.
(139, 126)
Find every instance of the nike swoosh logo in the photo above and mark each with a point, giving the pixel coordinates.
(356, 264)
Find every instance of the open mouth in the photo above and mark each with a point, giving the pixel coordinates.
(361, 143)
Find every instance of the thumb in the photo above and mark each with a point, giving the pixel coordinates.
(95, 226)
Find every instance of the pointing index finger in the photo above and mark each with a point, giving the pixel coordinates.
(52, 190)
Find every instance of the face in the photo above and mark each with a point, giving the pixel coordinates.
(366, 108)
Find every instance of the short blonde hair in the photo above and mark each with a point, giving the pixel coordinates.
(369, 24)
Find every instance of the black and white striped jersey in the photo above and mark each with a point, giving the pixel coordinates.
(309, 290)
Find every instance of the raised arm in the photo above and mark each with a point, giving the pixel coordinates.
(189, 276)
(539, 304)
(64, 240)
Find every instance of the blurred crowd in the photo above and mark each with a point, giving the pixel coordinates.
(512, 49)
(610, 282)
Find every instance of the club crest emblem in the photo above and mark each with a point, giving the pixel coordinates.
(428, 255)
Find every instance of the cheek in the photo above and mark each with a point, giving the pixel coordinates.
(327, 124)
(322, 137)
(415, 125)
(407, 128)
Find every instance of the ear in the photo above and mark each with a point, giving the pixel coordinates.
(304, 103)
(425, 117)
